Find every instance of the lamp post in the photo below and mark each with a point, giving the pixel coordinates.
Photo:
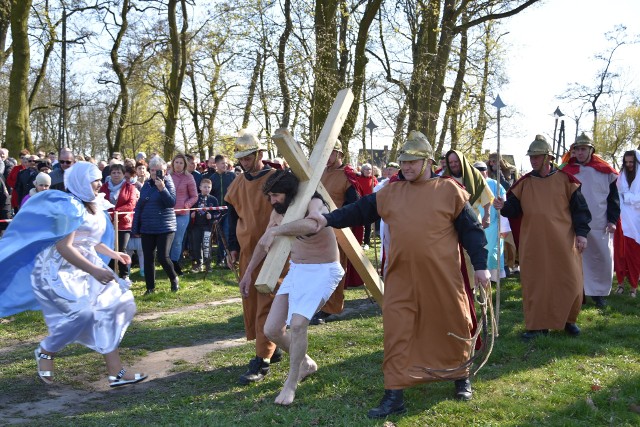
(499, 105)
(557, 115)
(371, 126)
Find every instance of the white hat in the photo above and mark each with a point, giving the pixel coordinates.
(42, 179)
(481, 166)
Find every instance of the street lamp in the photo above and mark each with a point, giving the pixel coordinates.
(371, 126)
(557, 115)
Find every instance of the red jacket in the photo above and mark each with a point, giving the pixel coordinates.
(367, 184)
(127, 199)
(12, 180)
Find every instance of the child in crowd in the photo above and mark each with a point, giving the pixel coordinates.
(201, 229)
(42, 183)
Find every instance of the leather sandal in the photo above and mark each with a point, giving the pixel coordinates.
(620, 290)
(118, 380)
(45, 376)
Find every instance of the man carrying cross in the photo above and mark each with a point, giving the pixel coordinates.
(427, 311)
(314, 274)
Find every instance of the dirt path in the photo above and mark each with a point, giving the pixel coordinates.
(159, 364)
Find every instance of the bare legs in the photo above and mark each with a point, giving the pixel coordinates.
(293, 342)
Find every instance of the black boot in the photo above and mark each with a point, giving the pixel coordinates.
(277, 355)
(463, 389)
(392, 403)
(175, 285)
(601, 302)
(258, 369)
(572, 329)
(320, 318)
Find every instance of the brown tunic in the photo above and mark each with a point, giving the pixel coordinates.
(254, 211)
(550, 265)
(424, 299)
(336, 184)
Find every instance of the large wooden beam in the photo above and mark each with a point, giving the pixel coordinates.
(347, 241)
(309, 180)
(281, 247)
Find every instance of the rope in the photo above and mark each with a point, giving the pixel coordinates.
(484, 300)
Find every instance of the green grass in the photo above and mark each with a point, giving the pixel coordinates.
(557, 380)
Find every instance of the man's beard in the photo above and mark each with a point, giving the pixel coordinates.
(280, 208)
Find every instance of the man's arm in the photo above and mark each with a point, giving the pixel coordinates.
(472, 237)
(509, 208)
(613, 206)
(580, 214)
(259, 253)
(301, 227)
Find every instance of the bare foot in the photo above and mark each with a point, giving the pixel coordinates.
(287, 394)
(307, 367)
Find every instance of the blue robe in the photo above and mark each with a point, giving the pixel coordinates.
(492, 231)
(47, 218)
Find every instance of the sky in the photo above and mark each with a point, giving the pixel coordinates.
(550, 46)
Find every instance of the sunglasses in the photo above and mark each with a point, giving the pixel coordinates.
(65, 162)
(31, 161)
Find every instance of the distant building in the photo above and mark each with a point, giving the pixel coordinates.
(380, 157)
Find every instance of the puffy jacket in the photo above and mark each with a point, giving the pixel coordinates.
(126, 202)
(186, 191)
(154, 211)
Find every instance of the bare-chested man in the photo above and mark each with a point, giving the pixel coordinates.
(313, 275)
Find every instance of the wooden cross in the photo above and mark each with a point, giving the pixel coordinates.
(309, 173)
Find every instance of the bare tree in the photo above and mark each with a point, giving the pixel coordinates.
(603, 82)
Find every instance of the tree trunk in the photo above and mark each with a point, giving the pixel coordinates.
(5, 24)
(195, 112)
(423, 51)
(359, 68)
(453, 106)
(123, 97)
(398, 134)
(18, 131)
(252, 91)
(282, 66)
(481, 125)
(326, 67)
(178, 41)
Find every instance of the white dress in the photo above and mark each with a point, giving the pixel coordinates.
(78, 308)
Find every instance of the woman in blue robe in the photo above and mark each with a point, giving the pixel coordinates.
(81, 298)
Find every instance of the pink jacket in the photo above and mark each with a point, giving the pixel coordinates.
(186, 191)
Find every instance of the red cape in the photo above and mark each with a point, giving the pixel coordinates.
(596, 162)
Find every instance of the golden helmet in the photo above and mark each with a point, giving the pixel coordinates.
(583, 140)
(540, 146)
(247, 143)
(416, 147)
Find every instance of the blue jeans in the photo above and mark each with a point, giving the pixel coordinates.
(176, 247)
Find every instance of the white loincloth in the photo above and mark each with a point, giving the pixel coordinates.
(309, 286)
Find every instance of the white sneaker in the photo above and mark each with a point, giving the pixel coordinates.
(365, 247)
